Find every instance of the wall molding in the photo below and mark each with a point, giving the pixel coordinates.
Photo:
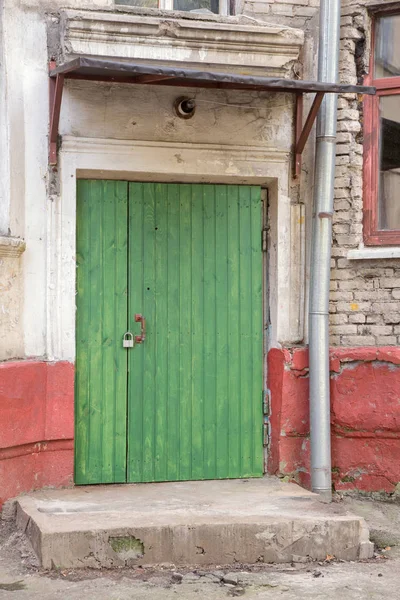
(71, 144)
(174, 162)
(230, 45)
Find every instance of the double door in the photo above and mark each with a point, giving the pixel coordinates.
(185, 401)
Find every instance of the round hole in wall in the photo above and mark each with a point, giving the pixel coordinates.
(185, 107)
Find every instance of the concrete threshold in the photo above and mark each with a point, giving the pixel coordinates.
(188, 523)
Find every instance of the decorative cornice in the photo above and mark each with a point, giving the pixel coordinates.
(227, 46)
(11, 247)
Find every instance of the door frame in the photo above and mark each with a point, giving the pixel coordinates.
(94, 158)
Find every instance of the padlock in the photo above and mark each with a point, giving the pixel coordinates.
(127, 341)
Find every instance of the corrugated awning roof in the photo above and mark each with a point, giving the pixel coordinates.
(99, 69)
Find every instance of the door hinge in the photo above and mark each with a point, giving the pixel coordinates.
(266, 432)
(266, 394)
(266, 422)
(264, 240)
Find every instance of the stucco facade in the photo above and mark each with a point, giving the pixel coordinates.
(118, 131)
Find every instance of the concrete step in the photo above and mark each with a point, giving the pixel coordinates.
(188, 523)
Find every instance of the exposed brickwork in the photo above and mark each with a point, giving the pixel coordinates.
(293, 13)
(365, 308)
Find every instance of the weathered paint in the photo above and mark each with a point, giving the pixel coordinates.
(161, 161)
(140, 135)
(101, 321)
(36, 403)
(195, 384)
(36, 436)
(41, 208)
(365, 416)
(11, 338)
(193, 407)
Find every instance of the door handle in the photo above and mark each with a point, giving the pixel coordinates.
(139, 339)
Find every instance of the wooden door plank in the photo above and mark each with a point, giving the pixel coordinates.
(197, 332)
(234, 442)
(160, 331)
(210, 332)
(148, 350)
(246, 373)
(173, 394)
(257, 330)
(96, 373)
(137, 292)
(114, 317)
(82, 379)
(185, 332)
(223, 401)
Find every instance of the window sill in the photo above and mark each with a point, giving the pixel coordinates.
(374, 253)
(229, 44)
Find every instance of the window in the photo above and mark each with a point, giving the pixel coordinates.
(382, 136)
(221, 7)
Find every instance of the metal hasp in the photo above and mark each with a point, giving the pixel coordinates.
(139, 339)
(97, 69)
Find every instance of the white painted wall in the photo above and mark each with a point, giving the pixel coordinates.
(24, 170)
(127, 132)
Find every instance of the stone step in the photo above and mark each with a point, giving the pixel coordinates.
(188, 523)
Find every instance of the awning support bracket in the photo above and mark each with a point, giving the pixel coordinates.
(302, 133)
(56, 86)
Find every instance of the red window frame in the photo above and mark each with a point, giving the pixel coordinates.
(388, 86)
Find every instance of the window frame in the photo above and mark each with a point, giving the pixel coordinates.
(224, 7)
(387, 86)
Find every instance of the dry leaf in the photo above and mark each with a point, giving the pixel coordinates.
(329, 557)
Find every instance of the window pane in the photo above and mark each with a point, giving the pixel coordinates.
(198, 5)
(389, 179)
(202, 6)
(387, 46)
(145, 3)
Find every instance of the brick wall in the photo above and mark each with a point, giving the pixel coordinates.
(365, 308)
(294, 13)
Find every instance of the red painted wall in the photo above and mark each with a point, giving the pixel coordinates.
(37, 426)
(37, 414)
(365, 416)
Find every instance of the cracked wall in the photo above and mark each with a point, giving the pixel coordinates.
(365, 417)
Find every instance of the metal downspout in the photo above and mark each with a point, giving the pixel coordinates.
(328, 67)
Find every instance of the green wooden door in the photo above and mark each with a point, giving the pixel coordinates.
(192, 258)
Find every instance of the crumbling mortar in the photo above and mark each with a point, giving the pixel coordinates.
(376, 496)
(372, 434)
(350, 364)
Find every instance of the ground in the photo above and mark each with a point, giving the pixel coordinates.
(21, 578)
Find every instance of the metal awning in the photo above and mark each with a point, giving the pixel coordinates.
(97, 69)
